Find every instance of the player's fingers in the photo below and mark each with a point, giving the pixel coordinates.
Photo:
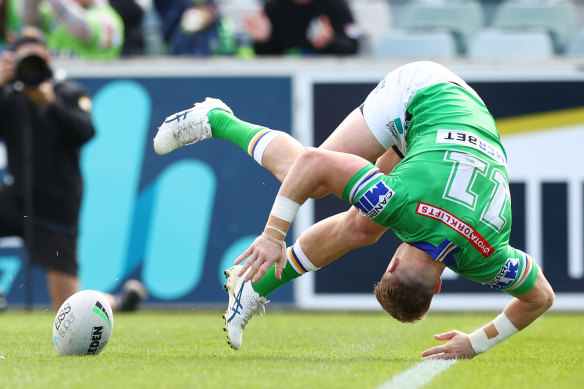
(250, 261)
(434, 350)
(255, 265)
(281, 264)
(446, 335)
(441, 356)
(244, 268)
(243, 255)
(261, 272)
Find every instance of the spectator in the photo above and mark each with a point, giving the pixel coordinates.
(89, 29)
(304, 27)
(196, 27)
(47, 123)
(9, 22)
(132, 14)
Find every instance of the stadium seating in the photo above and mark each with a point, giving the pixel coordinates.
(576, 47)
(557, 18)
(416, 44)
(374, 19)
(492, 43)
(461, 18)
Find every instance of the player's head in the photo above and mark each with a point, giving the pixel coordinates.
(409, 283)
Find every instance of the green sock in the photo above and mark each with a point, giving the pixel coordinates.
(225, 125)
(269, 283)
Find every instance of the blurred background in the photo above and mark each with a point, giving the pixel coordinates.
(175, 222)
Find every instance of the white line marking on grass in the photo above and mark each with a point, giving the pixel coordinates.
(419, 374)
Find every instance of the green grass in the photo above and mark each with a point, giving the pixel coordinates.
(285, 350)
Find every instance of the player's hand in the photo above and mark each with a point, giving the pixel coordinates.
(262, 254)
(458, 347)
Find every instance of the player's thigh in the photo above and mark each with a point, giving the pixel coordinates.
(353, 136)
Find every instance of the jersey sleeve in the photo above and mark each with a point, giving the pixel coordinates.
(517, 275)
(373, 194)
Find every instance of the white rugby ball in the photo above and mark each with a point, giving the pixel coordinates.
(83, 324)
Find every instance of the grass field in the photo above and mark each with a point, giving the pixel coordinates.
(286, 350)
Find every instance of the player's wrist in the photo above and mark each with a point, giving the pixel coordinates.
(487, 337)
(274, 234)
(281, 216)
(271, 239)
(284, 209)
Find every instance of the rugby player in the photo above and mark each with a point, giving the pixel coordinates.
(447, 200)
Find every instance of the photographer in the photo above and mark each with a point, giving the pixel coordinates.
(44, 124)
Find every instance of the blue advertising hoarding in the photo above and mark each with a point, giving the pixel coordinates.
(174, 221)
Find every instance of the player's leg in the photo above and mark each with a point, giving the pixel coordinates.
(246, 298)
(353, 136)
(274, 150)
(318, 246)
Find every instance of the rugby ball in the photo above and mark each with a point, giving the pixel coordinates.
(83, 324)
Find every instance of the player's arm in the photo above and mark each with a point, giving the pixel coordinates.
(518, 314)
(314, 168)
(336, 235)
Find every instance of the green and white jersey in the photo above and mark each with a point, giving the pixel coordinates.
(449, 196)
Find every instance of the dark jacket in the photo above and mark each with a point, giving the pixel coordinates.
(291, 21)
(58, 132)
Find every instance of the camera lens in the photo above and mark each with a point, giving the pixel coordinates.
(33, 70)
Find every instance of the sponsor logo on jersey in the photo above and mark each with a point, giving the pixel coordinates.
(506, 275)
(468, 139)
(373, 202)
(448, 219)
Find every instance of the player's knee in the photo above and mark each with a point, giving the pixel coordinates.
(313, 160)
(549, 298)
(310, 157)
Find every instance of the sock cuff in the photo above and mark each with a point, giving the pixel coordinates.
(259, 142)
(298, 260)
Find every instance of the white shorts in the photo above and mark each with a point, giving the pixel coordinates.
(385, 108)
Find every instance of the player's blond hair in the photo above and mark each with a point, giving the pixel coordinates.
(406, 299)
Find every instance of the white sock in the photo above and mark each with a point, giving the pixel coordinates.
(260, 142)
(299, 260)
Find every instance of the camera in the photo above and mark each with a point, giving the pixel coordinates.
(32, 70)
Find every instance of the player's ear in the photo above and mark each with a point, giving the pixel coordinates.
(393, 265)
(438, 286)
